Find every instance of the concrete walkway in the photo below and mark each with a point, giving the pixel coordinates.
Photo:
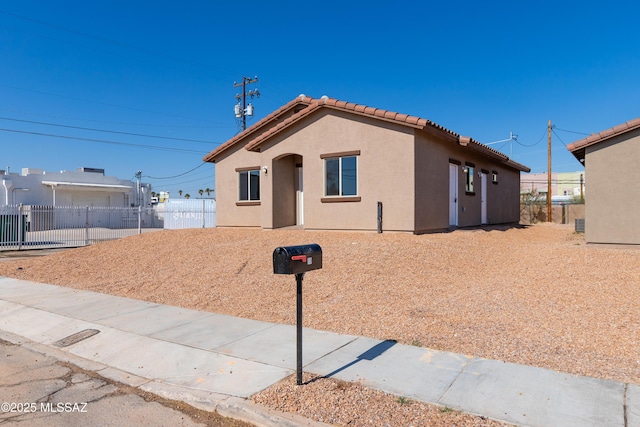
(217, 361)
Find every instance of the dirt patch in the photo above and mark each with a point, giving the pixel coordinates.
(351, 404)
(536, 295)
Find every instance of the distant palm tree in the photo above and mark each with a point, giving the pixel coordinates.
(208, 191)
(180, 193)
(187, 196)
(153, 194)
(201, 192)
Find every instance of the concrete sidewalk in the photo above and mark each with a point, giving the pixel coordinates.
(217, 361)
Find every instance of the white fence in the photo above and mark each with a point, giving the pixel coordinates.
(189, 213)
(37, 227)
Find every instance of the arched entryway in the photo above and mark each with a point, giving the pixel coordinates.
(288, 194)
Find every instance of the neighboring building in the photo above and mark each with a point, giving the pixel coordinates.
(612, 209)
(333, 165)
(565, 186)
(84, 187)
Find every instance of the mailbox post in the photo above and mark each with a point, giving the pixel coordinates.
(297, 260)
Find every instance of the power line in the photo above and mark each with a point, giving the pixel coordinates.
(152, 147)
(108, 131)
(554, 132)
(202, 180)
(176, 176)
(188, 183)
(113, 42)
(539, 181)
(116, 122)
(99, 103)
(534, 144)
(571, 131)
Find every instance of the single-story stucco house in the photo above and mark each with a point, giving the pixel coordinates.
(612, 208)
(333, 165)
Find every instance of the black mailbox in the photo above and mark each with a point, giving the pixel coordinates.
(297, 259)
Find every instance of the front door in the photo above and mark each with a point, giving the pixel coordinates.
(453, 195)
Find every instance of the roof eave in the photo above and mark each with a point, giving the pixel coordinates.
(578, 148)
(211, 157)
(494, 154)
(336, 105)
(256, 138)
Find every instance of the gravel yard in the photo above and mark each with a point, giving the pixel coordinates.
(534, 295)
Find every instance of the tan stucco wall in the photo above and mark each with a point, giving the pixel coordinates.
(504, 197)
(406, 170)
(385, 171)
(432, 183)
(228, 214)
(432, 187)
(612, 208)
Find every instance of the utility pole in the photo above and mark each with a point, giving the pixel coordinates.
(512, 137)
(549, 216)
(244, 110)
(138, 176)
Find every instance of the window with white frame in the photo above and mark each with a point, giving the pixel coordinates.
(249, 185)
(341, 175)
(468, 170)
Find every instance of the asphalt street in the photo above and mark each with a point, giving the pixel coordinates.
(40, 390)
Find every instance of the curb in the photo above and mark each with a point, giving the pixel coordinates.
(225, 405)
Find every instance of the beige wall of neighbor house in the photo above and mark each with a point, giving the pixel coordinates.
(612, 211)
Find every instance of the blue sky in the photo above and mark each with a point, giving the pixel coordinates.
(151, 84)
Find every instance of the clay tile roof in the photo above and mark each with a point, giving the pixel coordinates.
(607, 132)
(620, 128)
(303, 106)
(278, 127)
(300, 100)
(412, 120)
(577, 148)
